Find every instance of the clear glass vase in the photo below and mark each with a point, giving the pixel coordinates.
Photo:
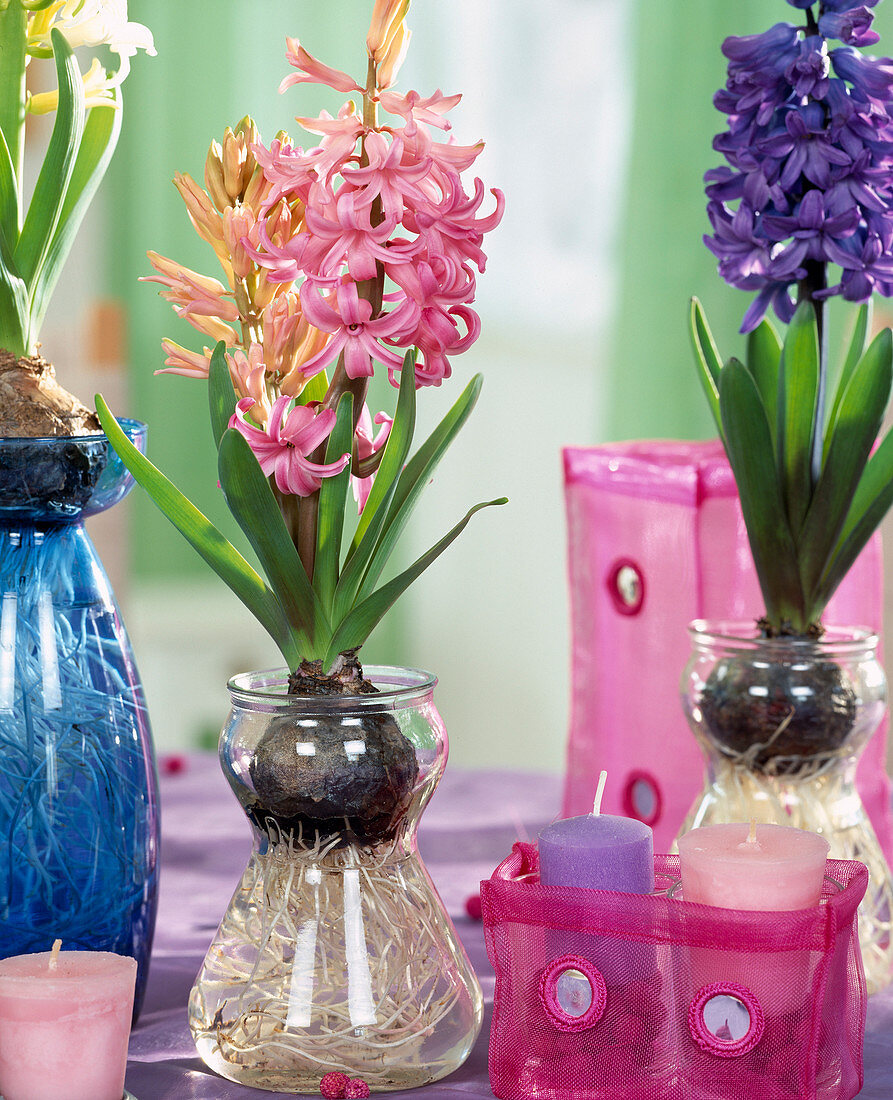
(78, 788)
(336, 953)
(782, 723)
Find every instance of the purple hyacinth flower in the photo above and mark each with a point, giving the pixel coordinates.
(804, 146)
(816, 234)
(852, 27)
(869, 75)
(773, 50)
(808, 73)
(742, 254)
(774, 294)
(866, 266)
(861, 183)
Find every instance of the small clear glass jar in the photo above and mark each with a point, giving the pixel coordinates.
(336, 953)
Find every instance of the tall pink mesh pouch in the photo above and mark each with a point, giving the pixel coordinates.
(609, 996)
(656, 539)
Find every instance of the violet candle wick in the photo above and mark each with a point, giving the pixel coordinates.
(599, 792)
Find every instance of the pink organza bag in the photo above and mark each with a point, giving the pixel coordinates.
(656, 539)
(610, 996)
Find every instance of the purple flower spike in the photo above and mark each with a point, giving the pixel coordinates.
(808, 178)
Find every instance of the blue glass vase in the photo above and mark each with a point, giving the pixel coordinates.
(78, 784)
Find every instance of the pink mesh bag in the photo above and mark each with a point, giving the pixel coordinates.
(656, 539)
(609, 996)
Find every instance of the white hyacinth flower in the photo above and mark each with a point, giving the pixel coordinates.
(97, 23)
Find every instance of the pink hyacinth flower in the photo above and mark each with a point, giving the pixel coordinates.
(354, 332)
(339, 138)
(342, 232)
(411, 106)
(290, 436)
(180, 360)
(248, 375)
(367, 445)
(312, 71)
(386, 176)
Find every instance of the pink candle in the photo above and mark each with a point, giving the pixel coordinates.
(763, 867)
(64, 1025)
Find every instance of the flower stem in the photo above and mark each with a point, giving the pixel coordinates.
(304, 525)
(814, 281)
(812, 27)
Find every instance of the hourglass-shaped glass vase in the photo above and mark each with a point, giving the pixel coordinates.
(78, 789)
(782, 723)
(336, 953)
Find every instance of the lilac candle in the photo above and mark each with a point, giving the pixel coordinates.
(598, 851)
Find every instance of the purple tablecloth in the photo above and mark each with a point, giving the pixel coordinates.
(470, 825)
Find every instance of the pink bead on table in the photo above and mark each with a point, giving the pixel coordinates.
(64, 1028)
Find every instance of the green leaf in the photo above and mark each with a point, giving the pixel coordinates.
(332, 499)
(13, 304)
(315, 390)
(13, 36)
(749, 447)
(221, 393)
(254, 508)
(851, 436)
(797, 396)
(708, 359)
(363, 619)
(216, 550)
(856, 350)
(94, 155)
(763, 361)
(415, 477)
(45, 207)
(396, 448)
(9, 196)
(871, 503)
(372, 520)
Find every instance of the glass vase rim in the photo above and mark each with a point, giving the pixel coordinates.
(744, 634)
(129, 424)
(398, 686)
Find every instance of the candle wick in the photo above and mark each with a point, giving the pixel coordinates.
(752, 835)
(599, 791)
(54, 957)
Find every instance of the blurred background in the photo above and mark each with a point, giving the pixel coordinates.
(598, 121)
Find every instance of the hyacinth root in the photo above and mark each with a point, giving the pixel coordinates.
(277, 999)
